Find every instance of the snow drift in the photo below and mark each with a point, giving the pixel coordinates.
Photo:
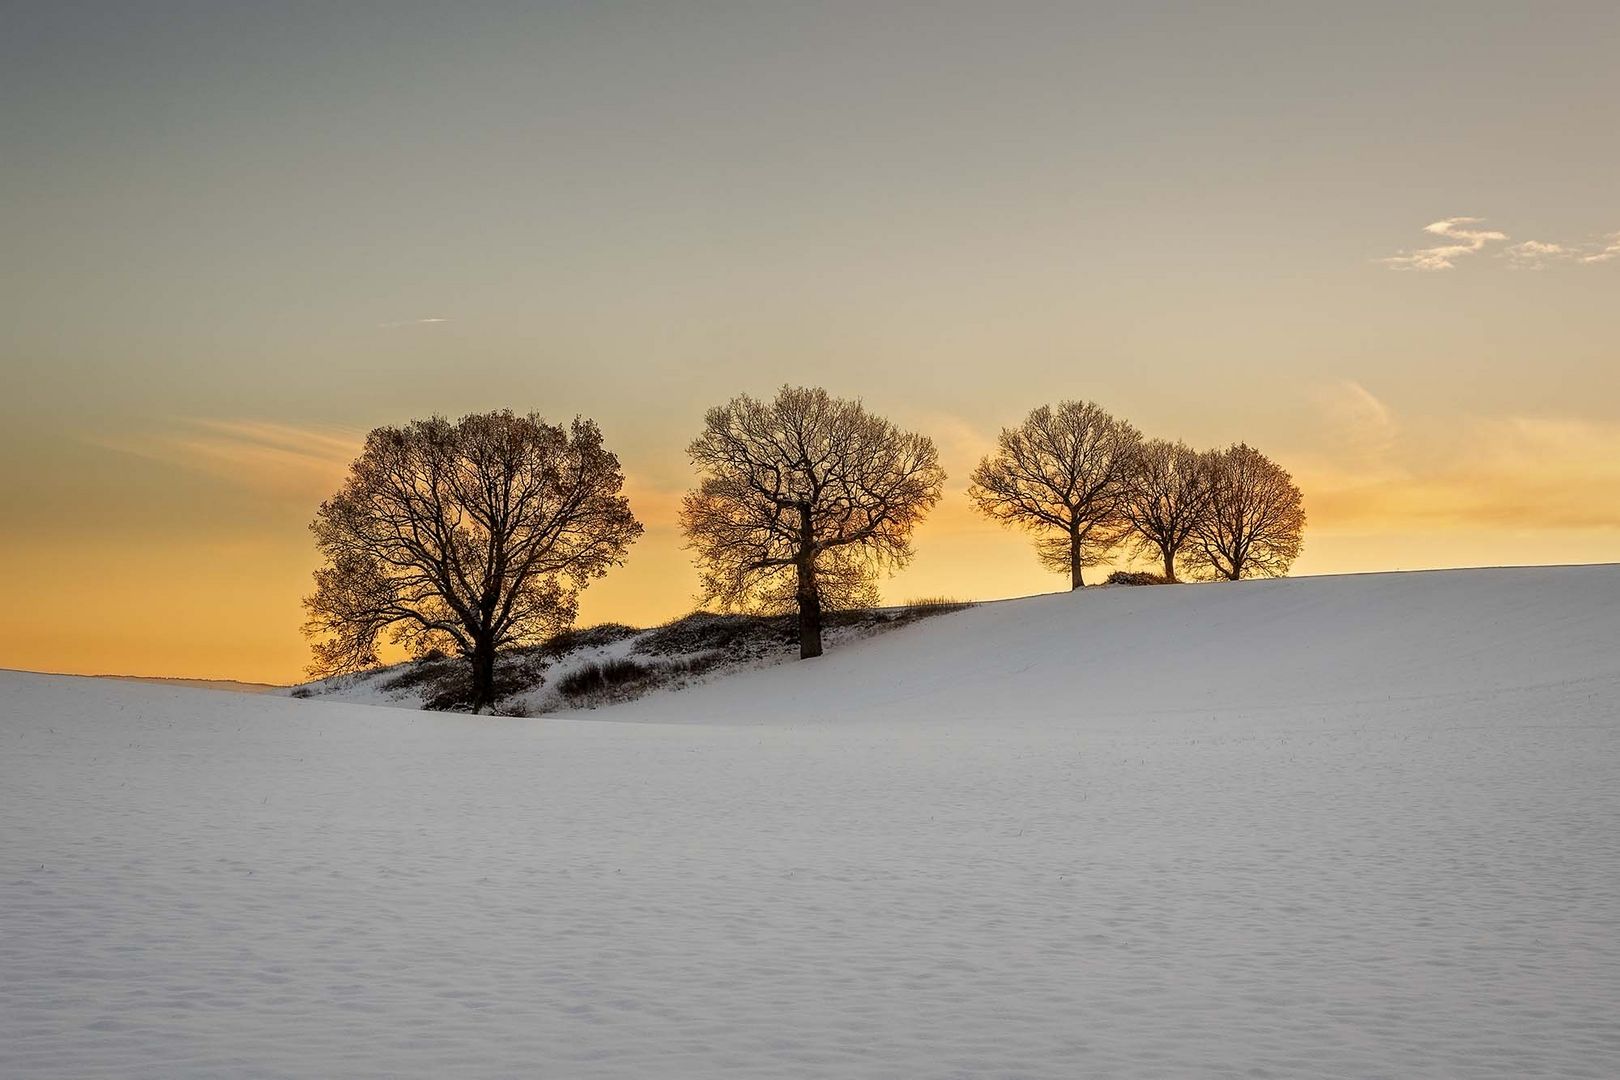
(1337, 827)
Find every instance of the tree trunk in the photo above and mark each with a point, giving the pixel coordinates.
(809, 596)
(483, 662)
(1074, 559)
(1170, 566)
(809, 611)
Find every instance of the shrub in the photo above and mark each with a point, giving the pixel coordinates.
(595, 678)
(1136, 577)
(703, 631)
(589, 637)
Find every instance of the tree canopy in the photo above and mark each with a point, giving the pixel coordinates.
(802, 502)
(1255, 520)
(465, 537)
(1061, 475)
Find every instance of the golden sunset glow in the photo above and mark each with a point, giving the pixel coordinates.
(1386, 257)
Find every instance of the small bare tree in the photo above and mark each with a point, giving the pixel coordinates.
(1166, 496)
(1061, 475)
(1255, 519)
(470, 536)
(801, 502)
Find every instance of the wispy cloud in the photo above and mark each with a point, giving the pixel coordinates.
(1534, 254)
(411, 322)
(1465, 240)
(1369, 470)
(276, 459)
(1361, 422)
(1611, 250)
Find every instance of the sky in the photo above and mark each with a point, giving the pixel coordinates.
(1379, 241)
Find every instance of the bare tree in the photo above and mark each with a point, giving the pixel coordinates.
(1166, 496)
(1255, 518)
(801, 502)
(471, 537)
(1061, 475)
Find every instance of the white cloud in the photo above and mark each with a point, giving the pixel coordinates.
(1465, 241)
(1534, 254)
(1611, 251)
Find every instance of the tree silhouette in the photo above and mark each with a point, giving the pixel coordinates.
(467, 537)
(1061, 475)
(1167, 492)
(1255, 519)
(801, 502)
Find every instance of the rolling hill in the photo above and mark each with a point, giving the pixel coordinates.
(1331, 827)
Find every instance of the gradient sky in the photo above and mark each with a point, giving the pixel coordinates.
(1379, 241)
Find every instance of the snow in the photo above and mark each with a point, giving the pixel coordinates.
(1333, 827)
(675, 656)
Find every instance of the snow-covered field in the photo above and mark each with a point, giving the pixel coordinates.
(1349, 827)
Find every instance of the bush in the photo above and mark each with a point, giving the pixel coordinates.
(589, 637)
(595, 678)
(1136, 577)
(703, 631)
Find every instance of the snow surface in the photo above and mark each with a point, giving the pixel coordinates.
(1333, 827)
(670, 667)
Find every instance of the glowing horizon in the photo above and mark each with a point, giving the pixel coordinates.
(1383, 247)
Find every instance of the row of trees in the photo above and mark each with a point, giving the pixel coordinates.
(479, 535)
(1086, 483)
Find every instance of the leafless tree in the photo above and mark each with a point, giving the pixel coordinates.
(801, 502)
(1166, 496)
(1061, 475)
(1255, 518)
(470, 537)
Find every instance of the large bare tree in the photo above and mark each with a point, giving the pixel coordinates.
(801, 502)
(468, 536)
(1166, 496)
(1061, 475)
(1255, 519)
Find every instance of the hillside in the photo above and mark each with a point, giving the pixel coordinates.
(1334, 827)
(567, 672)
(1136, 652)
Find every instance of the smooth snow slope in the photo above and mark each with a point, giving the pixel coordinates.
(1347, 827)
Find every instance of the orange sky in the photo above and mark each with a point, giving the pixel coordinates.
(1381, 243)
(222, 601)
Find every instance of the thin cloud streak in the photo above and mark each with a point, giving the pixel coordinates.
(283, 460)
(411, 322)
(1611, 251)
(1466, 241)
